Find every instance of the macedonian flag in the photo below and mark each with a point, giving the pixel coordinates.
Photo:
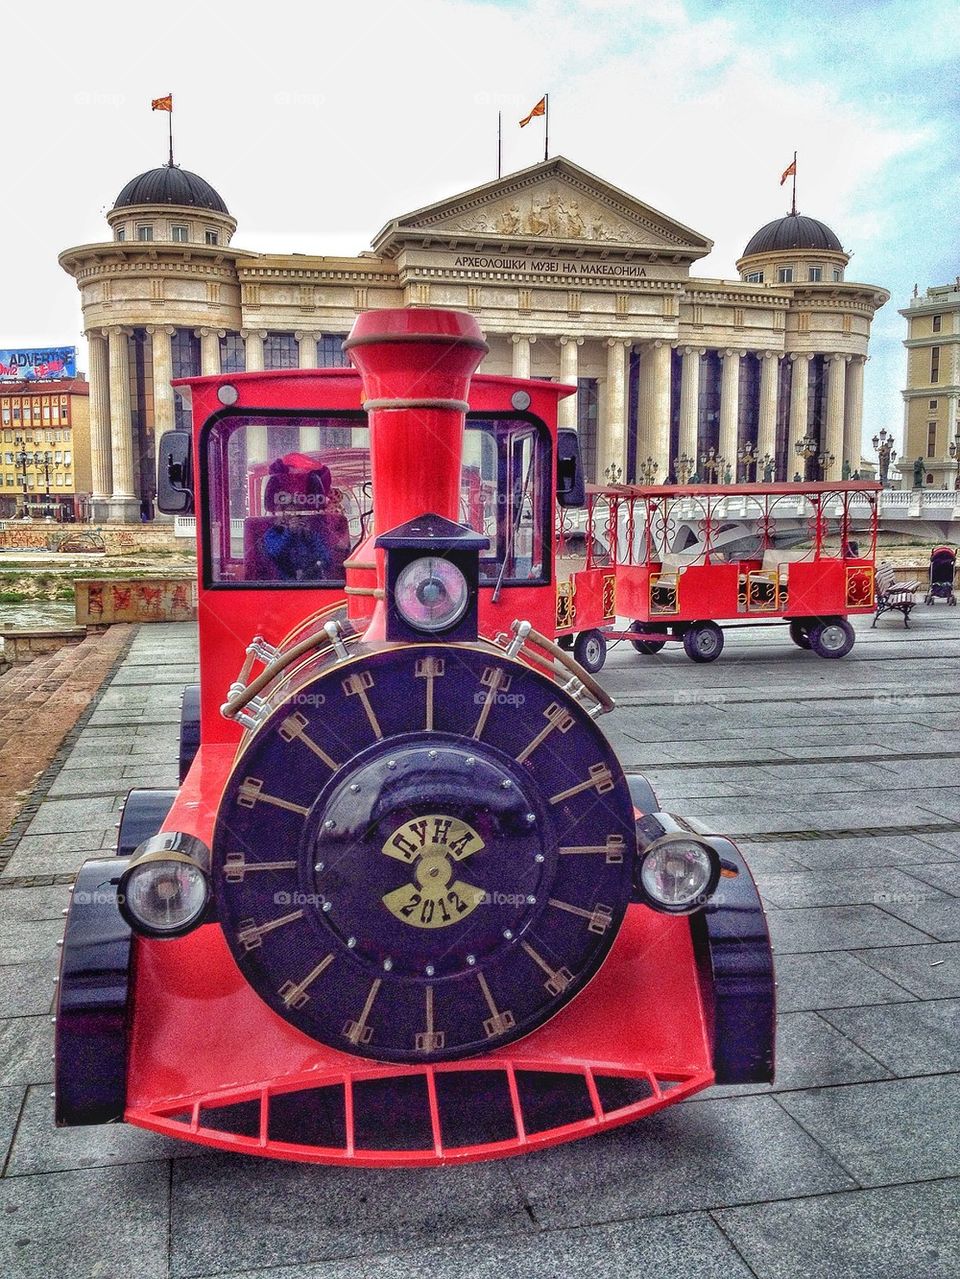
(162, 104)
(789, 171)
(539, 109)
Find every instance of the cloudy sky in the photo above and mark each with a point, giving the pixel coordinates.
(318, 122)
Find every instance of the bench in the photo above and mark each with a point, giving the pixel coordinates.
(893, 595)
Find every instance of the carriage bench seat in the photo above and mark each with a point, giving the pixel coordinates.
(893, 595)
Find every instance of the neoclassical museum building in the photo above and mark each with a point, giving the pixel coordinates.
(570, 278)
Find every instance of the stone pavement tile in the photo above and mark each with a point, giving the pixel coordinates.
(944, 876)
(24, 904)
(840, 888)
(64, 816)
(106, 1222)
(838, 928)
(11, 1101)
(22, 942)
(28, 989)
(920, 1038)
(691, 1156)
(299, 1213)
(682, 1247)
(940, 918)
(41, 1147)
(869, 850)
(897, 1130)
(930, 972)
(899, 1232)
(33, 858)
(100, 760)
(810, 1053)
(836, 979)
(26, 1047)
(949, 841)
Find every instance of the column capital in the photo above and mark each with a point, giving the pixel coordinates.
(120, 330)
(161, 328)
(727, 353)
(565, 339)
(837, 357)
(624, 342)
(517, 338)
(301, 334)
(800, 355)
(98, 332)
(254, 333)
(769, 355)
(207, 332)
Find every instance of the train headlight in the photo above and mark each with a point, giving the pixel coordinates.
(165, 891)
(431, 594)
(679, 873)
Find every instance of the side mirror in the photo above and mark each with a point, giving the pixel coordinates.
(175, 473)
(571, 490)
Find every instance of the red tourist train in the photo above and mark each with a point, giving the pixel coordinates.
(406, 906)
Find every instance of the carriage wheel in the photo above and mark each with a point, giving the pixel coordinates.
(646, 646)
(703, 642)
(800, 633)
(590, 650)
(832, 638)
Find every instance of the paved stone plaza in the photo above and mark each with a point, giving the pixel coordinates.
(840, 781)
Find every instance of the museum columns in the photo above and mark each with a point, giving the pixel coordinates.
(690, 404)
(853, 414)
(306, 348)
(767, 419)
(799, 411)
(521, 354)
(210, 350)
(164, 418)
(612, 451)
(100, 462)
(123, 504)
(730, 408)
(836, 394)
(569, 366)
(253, 349)
(654, 408)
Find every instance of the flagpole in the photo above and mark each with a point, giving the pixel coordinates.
(170, 124)
(793, 202)
(546, 125)
(499, 143)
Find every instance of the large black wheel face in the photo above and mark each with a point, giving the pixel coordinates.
(799, 633)
(646, 646)
(395, 871)
(703, 642)
(590, 650)
(833, 637)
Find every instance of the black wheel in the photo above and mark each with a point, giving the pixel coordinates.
(590, 650)
(565, 642)
(800, 633)
(144, 812)
(189, 727)
(646, 646)
(703, 642)
(832, 638)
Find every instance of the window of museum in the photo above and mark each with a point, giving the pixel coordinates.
(144, 231)
(281, 351)
(754, 277)
(937, 323)
(121, 233)
(330, 352)
(233, 357)
(932, 404)
(934, 364)
(785, 275)
(837, 275)
(211, 237)
(815, 274)
(178, 234)
(185, 360)
(931, 439)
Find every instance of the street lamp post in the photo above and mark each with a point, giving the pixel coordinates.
(712, 465)
(648, 470)
(613, 473)
(883, 446)
(683, 467)
(748, 457)
(807, 448)
(45, 461)
(23, 459)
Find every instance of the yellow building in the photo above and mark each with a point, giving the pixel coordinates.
(45, 449)
(931, 419)
(570, 279)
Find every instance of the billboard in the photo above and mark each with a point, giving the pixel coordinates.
(38, 364)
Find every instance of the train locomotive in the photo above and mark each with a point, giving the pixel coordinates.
(406, 906)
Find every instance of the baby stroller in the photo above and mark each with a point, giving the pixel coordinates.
(943, 565)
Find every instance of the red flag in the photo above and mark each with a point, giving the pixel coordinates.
(162, 104)
(789, 171)
(539, 109)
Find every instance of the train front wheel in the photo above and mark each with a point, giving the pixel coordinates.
(800, 633)
(590, 650)
(703, 642)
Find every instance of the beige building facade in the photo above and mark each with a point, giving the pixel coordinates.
(571, 279)
(45, 449)
(931, 419)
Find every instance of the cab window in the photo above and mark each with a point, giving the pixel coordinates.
(506, 495)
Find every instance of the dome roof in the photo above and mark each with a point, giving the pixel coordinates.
(170, 185)
(793, 232)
